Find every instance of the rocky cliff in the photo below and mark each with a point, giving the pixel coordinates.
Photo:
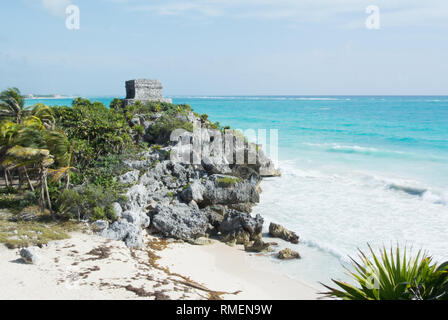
(185, 201)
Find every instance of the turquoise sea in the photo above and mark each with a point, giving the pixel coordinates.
(355, 170)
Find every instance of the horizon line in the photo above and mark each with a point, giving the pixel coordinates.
(63, 96)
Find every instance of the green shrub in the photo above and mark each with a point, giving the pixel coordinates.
(90, 202)
(29, 198)
(186, 186)
(167, 124)
(394, 277)
(93, 129)
(98, 214)
(228, 180)
(116, 104)
(110, 213)
(170, 194)
(157, 147)
(70, 205)
(138, 129)
(204, 117)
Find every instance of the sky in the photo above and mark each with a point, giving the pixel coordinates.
(226, 47)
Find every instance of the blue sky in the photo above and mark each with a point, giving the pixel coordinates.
(226, 47)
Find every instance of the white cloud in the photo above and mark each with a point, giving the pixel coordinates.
(397, 13)
(56, 7)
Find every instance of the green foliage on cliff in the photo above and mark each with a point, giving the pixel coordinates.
(228, 181)
(93, 129)
(166, 124)
(80, 148)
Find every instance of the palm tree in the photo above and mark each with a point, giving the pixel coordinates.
(30, 145)
(45, 114)
(8, 132)
(63, 151)
(25, 131)
(12, 105)
(18, 157)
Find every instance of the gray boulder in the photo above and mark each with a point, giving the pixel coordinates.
(222, 189)
(257, 246)
(241, 227)
(100, 225)
(266, 166)
(117, 209)
(138, 218)
(180, 221)
(135, 208)
(29, 256)
(288, 254)
(125, 231)
(193, 192)
(214, 165)
(278, 231)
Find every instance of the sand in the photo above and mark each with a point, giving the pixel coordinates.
(89, 267)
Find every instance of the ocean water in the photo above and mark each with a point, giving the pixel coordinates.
(355, 171)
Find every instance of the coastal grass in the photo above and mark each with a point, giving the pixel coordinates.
(24, 234)
(18, 233)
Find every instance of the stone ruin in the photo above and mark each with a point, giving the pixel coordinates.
(144, 90)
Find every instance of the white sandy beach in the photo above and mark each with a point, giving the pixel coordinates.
(69, 269)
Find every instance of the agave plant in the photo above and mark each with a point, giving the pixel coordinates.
(393, 276)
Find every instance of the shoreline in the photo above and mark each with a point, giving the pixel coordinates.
(87, 266)
(230, 269)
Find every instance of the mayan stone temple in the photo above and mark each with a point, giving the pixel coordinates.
(144, 90)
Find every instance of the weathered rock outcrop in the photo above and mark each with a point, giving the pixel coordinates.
(185, 200)
(240, 227)
(221, 189)
(123, 230)
(257, 246)
(288, 254)
(180, 221)
(278, 231)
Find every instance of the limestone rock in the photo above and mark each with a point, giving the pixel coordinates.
(179, 221)
(129, 177)
(193, 191)
(117, 209)
(288, 254)
(29, 256)
(241, 227)
(278, 231)
(128, 232)
(215, 165)
(257, 246)
(200, 241)
(100, 225)
(221, 189)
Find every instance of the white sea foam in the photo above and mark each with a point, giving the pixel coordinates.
(337, 210)
(341, 148)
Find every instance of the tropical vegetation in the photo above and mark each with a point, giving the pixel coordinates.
(68, 157)
(393, 275)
